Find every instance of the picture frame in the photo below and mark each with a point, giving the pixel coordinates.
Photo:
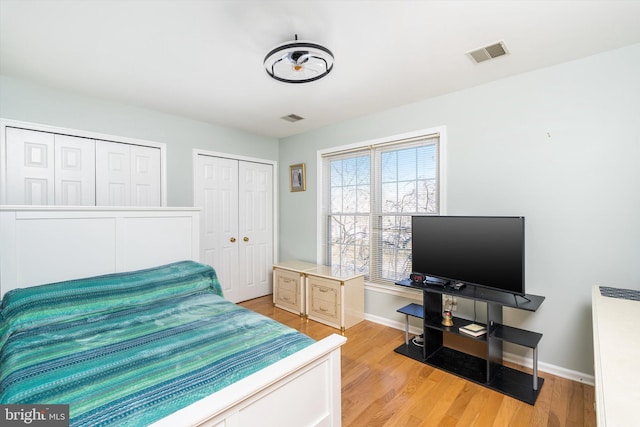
(297, 178)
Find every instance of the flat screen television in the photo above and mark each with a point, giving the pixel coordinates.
(475, 250)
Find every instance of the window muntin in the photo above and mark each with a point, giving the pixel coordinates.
(369, 200)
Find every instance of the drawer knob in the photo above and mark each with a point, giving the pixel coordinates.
(232, 240)
(246, 239)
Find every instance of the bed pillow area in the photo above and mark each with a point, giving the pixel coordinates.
(74, 299)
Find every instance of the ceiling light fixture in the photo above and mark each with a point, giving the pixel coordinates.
(298, 62)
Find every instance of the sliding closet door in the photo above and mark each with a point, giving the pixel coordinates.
(145, 176)
(236, 198)
(75, 177)
(43, 165)
(113, 174)
(127, 175)
(49, 169)
(30, 168)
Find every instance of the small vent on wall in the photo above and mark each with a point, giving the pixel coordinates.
(292, 118)
(488, 52)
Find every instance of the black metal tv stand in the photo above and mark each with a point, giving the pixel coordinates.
(487, 370)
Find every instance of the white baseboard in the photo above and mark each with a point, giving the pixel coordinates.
(509, 357)
(550, 369)
(391, 323)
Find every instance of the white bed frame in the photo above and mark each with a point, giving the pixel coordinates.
(49, 244)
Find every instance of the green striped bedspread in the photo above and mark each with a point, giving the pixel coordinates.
(131, 348)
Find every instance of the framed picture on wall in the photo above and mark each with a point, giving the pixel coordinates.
(297, 178)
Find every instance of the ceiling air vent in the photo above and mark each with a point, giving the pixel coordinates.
(488, 52)
(292, 118)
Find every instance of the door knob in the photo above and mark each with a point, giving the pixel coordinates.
(246, 239)
(232, 240)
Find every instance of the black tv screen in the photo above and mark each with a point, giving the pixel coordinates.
(482, 251)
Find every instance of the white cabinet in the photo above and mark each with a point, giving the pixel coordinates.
(319, 292)
(289, 285)
(41, 165)
(334, 297)
(615, 317)
(236, 198)
(325, 301)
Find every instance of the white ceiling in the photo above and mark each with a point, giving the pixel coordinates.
(203, 59)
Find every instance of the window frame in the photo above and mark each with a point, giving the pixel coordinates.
(321, 222)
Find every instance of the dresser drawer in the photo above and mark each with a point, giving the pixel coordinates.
(325, 299)
(286, 297)
(288, 283)
(287, 290)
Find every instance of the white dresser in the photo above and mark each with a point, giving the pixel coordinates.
(335, 297)
(289, 285)
(616, 341)
(322, 293)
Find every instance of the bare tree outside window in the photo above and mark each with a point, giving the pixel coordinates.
(372, 196)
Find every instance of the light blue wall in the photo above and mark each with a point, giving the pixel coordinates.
(579, 189)
(25, 101)
(560, 146)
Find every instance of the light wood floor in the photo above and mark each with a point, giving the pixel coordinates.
(383, 388)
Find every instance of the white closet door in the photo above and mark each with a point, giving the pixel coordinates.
(145, 176)
(30, 168)
(113, 174)
(68, 167)
(256, 229)
(75, 174)
(216, 193)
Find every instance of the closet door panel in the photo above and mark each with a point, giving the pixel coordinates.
(30, 167)
(256, 228)
(113, 174)
(145, 176)
(72, 168)
(216, 192)
(75, 174)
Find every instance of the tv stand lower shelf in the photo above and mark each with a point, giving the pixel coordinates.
(509, 381)
(512, 382)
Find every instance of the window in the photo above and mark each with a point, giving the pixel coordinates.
(369, 195)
